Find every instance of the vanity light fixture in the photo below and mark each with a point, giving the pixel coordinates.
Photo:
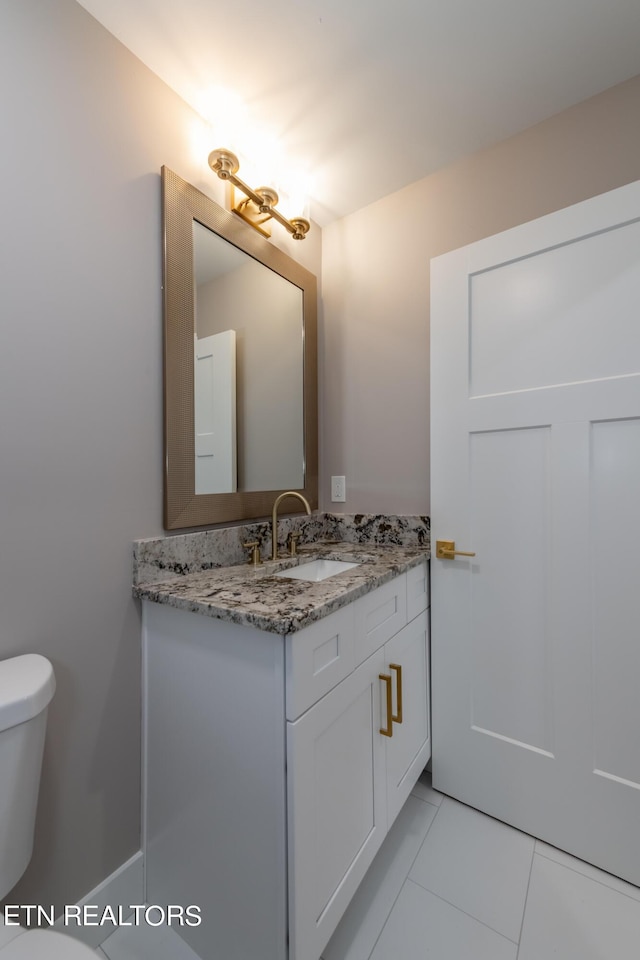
(258, 207)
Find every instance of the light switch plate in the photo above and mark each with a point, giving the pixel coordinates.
(338, 490)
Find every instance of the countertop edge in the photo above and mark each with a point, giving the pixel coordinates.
(305, 603)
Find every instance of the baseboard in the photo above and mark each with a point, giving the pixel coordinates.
(123, 888)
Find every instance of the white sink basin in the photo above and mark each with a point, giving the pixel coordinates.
(316, 570)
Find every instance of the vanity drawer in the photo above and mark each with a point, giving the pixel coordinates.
(317, 658)
(417, 590)
(379, 615)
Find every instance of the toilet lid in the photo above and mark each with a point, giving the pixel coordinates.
(46, 945)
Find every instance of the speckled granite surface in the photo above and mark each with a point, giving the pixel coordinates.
(255, 597)
(370, 528)
(206, 572)
(174, 557)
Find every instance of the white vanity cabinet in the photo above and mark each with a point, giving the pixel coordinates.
(347, 781)
(268, 784)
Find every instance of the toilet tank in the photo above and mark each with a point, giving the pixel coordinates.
(27, 685)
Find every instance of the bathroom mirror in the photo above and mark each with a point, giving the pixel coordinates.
(240, 366)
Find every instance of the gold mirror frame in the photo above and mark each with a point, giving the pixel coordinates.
(182, 203)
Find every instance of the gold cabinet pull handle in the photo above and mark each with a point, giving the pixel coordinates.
(446, 550)
(397, 717)
(388, 730)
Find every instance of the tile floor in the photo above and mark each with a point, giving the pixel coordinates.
(450, 883)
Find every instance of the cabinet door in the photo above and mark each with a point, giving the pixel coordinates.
(409, 749)
(337, 805)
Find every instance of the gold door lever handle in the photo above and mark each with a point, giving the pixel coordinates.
(446, 550)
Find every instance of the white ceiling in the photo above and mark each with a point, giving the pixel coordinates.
(371, 95)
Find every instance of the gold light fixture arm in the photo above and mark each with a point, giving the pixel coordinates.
(225, 164)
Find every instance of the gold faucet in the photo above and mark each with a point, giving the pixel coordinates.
(274, 518)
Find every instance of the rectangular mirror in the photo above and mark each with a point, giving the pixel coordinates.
(240, 378)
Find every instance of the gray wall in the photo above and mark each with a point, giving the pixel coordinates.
(375, 374)
(85, 130)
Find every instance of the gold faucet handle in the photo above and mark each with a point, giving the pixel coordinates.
(255, 557)
(292, 540)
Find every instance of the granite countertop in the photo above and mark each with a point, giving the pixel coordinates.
(253, 596)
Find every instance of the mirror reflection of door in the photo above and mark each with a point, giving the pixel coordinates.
(215, 413)
(235, 293)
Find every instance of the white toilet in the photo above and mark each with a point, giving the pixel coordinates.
(27, 685)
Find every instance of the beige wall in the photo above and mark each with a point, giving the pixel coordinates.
(85, 130)
(375, 373)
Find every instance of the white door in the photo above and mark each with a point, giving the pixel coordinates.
(536, 467)
(215, 413)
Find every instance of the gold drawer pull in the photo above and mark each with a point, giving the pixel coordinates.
(397, 717)
(388, 730)
(446, 550)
